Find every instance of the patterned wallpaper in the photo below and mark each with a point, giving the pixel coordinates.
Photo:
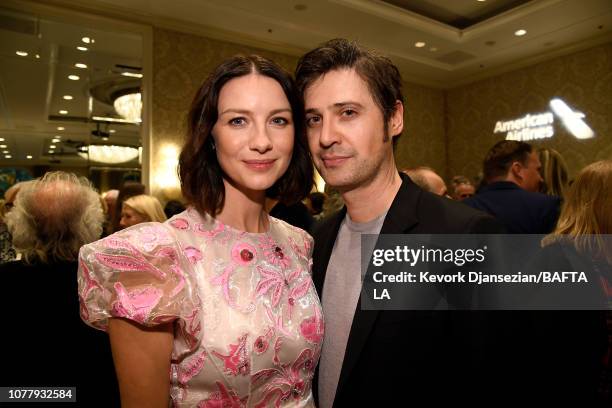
(583, 80)
(182, 61)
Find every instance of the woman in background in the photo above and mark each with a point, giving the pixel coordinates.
(216, 307)
(554, 172)
(141, 208)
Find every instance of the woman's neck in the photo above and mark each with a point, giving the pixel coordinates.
(244, 210)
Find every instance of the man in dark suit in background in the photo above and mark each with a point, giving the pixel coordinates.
(512, 173)
(354, 115)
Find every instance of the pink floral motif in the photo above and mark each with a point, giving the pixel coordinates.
(223, 398)
(136, 304)
(301, 250)
(237, 362)
(285, 381)
(275, 254)
(180, 223)
(260, 345)
(312, 328)
(191, 368)
(129, 264)
(202, 229)
(193, 254)
(277, 321)
(243, 253)
(152, 235)
(271, 280)
(90, 283)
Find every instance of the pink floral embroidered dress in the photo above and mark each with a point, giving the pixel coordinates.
(248, 322)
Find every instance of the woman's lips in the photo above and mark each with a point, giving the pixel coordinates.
(259, 164)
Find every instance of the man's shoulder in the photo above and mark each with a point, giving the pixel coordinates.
(445, 216)
(326, 225)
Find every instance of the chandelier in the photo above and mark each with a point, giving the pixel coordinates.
(129, 106)
(110, 154)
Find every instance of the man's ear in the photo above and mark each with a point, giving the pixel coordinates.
(396, 121)
(516, 170)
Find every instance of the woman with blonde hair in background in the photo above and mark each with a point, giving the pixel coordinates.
(575, 341)
(554, 172)
(141, 208)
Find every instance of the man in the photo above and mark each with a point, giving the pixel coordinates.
(49, 345)
(354, 114)
(427, 179)
(462, 188)
(512, 173)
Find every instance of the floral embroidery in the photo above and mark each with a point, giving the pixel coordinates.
(222, 399)
(312, 328)
(243, 253)
(193, 254)
(275, 254)
(285, 381)
(180, 223)
(129, 264)
(136, 304)
(237, 362)
(191, 368)
(262, 342)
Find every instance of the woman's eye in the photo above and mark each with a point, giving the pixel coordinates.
(237, 121)
(280, 121)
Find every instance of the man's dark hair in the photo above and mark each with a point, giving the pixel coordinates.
(500, 157)
(382, 77)
(199, 171)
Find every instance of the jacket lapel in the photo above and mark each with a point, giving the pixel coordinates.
(325, 237)
(401, 218)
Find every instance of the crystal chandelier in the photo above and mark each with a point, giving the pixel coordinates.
(129, 106)
(109, 154)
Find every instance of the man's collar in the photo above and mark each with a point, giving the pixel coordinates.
(402, 214)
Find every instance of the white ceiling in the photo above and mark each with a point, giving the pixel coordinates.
(33, 86)
(451, 57)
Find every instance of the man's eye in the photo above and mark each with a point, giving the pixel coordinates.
(313, 120)
(349, 112)
(237, 121)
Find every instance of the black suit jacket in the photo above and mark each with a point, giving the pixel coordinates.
(397, 356)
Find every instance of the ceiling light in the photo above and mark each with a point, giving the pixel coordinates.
(433, 49)
(520, 33)
(111, 131)
(129, 106)
(67, 97)
(109, 153)
(55, 141)
(80, 65)
(131, 74)
(21, 53)
(37, 56)
(8, 156)
(74, 77)
(419, 44)
(87, 40)
(82, 48)
(3, 146)
(28, 157)
(2, 139)
(481, 1)
(6, 152)
(60, 128)
(50, 152)
(63, 112)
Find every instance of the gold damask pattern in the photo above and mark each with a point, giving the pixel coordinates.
(583, 80)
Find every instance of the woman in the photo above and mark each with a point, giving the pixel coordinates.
(554, 172)
(141, 208)
(573, 345)
(216, 307)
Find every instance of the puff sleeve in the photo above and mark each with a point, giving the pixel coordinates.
(139, 274)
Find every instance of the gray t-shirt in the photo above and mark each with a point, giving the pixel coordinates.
(340, 296)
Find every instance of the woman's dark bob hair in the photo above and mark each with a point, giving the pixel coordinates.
(199, 171)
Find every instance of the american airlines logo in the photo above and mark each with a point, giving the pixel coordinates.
(540, 125)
